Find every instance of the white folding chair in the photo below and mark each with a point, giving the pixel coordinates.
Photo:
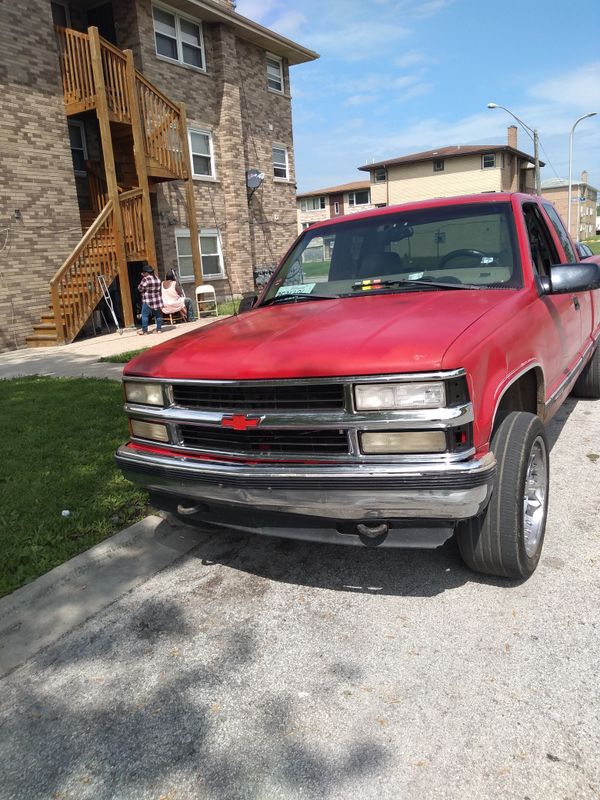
(206, 297)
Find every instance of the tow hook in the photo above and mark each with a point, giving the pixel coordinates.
(372, 535)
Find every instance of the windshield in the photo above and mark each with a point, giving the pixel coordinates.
(471, 245)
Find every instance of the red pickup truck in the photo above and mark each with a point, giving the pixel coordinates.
(389, 387)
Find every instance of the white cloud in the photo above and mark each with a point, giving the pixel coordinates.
(358, 100)
(289, 23)
(414, 91)
(579, 88)
(357, 40)
(256, 9)
(411, 58)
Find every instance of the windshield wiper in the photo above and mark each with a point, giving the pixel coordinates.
(373, 287)
(296, 298)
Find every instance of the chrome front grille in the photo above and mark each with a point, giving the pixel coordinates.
(265, 442)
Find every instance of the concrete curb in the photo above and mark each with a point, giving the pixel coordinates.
(39, 613)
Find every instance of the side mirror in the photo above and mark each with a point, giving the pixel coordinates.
(246, 303)
(566, 278)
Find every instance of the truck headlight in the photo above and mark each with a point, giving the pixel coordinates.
(146, 394)
(398, 442)
(149, 430)
(376, 396)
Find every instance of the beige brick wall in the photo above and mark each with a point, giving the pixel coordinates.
(583, 214)
(232, 100)
(36, 172)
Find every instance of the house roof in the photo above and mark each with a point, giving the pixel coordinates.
(343, 187)
(454, 151)
(561, 183)
(247, 29)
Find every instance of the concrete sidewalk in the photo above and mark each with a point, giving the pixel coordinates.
(81, 359)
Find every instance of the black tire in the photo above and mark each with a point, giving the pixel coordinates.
(587, 384)
(497, 542)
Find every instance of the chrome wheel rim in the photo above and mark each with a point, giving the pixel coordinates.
(534, 499)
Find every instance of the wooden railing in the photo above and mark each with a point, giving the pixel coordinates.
(74, 289)
(76, 69)
(133, 224)
(114, 65)
(162, 126)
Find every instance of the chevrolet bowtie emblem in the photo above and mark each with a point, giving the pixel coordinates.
(239, 422)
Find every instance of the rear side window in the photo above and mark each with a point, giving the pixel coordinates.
(561, 232)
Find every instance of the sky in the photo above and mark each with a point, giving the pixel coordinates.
(397, 77)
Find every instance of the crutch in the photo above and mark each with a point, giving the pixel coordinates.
(109, 302)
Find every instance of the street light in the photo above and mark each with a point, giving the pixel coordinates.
(576, 123)
(534, 135)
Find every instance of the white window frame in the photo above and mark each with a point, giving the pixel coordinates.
(214, 232)
(178, 16)
(278, 164)
(77, 123)
(318, 199)
(66, 8)
(209, 133)
(488, 166)
(352, 198)
(279, 60)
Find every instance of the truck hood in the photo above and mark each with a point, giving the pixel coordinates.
(378, 334)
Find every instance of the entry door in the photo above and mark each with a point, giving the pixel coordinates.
(336, 205)
(103, 18)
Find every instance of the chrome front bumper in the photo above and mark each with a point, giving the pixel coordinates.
(451, 492)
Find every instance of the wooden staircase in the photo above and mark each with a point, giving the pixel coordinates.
(136, 117)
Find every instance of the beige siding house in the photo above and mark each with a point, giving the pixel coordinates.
(128, 128)
(334, 201)
(450, 171)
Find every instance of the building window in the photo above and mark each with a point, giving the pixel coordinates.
(211, 256)
(360, 198)
(438, 164)
(312, 203)
(60, 14)
(201, 153)
(78, 146)
(336, 207)
(280, 163)
(306, 225)
(178, 38)
(379, 176)
(275, 73)
(488, 161)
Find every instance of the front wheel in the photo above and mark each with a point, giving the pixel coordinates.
(506, 540)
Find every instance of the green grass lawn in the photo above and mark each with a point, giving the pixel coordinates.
(594, 245)
(315, 268)
(58, 440)
(122, 358)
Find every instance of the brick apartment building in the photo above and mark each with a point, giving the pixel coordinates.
(133, 124)
(334, 201)
(454, 170)
(584, 200)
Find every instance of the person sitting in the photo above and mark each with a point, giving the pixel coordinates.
(174, 300)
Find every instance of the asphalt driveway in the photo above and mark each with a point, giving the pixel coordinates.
(265, 669)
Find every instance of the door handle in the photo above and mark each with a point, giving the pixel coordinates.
(576, 302)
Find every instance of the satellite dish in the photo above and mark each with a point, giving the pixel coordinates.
(254, 178)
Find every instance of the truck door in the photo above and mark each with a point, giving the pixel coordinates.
(562, 328)
(585, 299)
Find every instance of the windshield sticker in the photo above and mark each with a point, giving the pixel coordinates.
(415, 276)
(300, 288)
